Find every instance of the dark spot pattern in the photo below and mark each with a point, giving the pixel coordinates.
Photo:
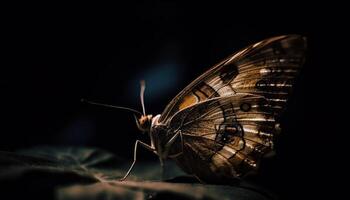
(228, 72)
(245, 107)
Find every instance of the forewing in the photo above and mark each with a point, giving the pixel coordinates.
(267, 68)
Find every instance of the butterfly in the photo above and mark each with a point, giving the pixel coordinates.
(220, 126)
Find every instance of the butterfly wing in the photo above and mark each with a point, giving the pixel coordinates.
(227, 135)
(228, 116)
(266, 68)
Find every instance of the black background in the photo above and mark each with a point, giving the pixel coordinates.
(56, 55)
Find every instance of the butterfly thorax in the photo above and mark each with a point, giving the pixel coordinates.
(155, 121)
(151, 125)
(156, 131)
(160, 135)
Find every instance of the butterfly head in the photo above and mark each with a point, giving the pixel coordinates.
(144, 122)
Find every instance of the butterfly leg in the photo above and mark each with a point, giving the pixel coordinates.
(161, 161)
(182, 145)
(148, 147)
(165, 153)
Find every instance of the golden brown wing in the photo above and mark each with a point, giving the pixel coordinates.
(266, 68)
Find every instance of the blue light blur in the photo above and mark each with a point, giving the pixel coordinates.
(159, 79)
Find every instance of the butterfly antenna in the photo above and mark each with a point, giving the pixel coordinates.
(142, 94)
(111, 106)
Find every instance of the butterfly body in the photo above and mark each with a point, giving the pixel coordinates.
(220, 126)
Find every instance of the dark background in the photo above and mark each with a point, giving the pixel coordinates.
(56, 56)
